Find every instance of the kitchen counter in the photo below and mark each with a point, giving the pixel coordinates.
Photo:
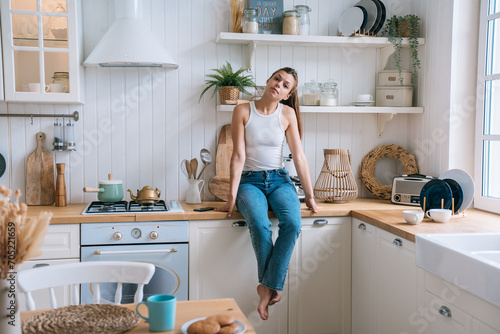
(380, 213)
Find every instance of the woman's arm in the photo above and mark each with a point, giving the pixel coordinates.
(238, 157)
(299, 158)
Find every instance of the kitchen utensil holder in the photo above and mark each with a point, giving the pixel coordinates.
(336, 182)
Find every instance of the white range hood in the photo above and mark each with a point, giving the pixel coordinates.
(129, 43)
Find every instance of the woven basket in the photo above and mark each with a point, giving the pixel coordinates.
(336, 182)
(228, 93)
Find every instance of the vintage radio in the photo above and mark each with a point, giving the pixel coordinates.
(406, 188)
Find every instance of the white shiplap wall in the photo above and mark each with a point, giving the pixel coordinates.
(139, 124)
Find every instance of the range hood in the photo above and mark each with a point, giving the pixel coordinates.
(129, 43)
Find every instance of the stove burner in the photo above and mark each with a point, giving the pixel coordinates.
(102, 207)
(97, 207)
(160, 206)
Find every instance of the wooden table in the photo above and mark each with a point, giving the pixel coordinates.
(186, 310)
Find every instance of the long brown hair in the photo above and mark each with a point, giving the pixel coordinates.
(293, 99)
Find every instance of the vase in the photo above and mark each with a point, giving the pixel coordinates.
(10, 321)
(194, 191)
(336, 182)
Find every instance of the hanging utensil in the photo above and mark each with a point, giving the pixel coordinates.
(188, 169)
(183, 168)
(194, 167)
(206, 158)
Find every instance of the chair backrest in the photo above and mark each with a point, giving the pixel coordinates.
(78, 273)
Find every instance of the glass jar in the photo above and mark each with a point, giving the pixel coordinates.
(311, 93)
(290, 22)
(250, 24)
(329, 94)
(304, 20)
(61, 78)
(237, 7)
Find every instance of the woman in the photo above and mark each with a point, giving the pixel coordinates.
(258, 180)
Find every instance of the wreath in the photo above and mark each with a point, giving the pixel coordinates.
(370, 161)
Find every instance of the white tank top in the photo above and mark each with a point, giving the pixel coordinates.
(264, 140)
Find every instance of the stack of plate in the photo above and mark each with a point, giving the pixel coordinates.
(365, 17)
(453, 189)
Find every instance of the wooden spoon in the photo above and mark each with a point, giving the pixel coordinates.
(188, 169)
(194, 167)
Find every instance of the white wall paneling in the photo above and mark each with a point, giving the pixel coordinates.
(139, 124)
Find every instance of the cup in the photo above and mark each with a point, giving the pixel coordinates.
(35, 87)
(364, 98)
(161, 309)
(57, 88)
(439, 215)
(413, 217)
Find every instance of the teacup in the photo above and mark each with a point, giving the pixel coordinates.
(364, 98)
(439, 215)
(35, 87)
(161, 309)
(413, 217)
(57, 88)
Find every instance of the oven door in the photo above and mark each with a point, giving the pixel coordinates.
(171, 274)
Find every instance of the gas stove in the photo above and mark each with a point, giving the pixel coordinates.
(97, 207)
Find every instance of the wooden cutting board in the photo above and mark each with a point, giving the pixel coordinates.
(40, 188)
(219, 184)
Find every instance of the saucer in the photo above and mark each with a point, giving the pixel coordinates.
(363, 103)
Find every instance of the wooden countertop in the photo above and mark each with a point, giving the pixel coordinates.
(186, 311)
(380, 213)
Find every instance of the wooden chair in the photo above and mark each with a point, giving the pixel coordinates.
(75, 274)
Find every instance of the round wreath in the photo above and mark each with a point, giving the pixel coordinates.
(370, 161)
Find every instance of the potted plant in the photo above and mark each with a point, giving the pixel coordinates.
(229, 84)
(397, 28)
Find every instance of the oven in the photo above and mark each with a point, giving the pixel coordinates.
(164, 244)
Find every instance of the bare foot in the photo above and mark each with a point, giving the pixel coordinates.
(265, 295)
(275, 297)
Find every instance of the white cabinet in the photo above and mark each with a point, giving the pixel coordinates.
(61, 245)
(40, 39)
(384, 286)
(319, 279)
(444, 318)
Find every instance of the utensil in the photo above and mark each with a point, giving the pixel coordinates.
(188, 168)
(40, 180)
(465, 181)
(60, 185)
(183, 168)
(147, 195)
(219, 184)
(109, 190)
(206, 158)
(438, 194)
(194, 167)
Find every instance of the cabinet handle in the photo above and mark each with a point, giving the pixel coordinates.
(240, 223)
(320, 222)
(398, 242)
(444, 311)
(40, 265)
(362, 226)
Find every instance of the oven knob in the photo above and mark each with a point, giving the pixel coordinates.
(154, 235)
(117, 236)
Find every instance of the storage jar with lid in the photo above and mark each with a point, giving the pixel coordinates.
(250, 24)
(304, 20)
(290, 22)
(329, 94)
(311, 93)
(61, 78)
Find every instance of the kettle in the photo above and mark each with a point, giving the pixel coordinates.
(147, 195)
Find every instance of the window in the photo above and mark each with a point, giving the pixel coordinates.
(487, 167)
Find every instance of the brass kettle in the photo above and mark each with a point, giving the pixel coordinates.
(147, 195)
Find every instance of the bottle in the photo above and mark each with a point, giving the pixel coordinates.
(290, 22)
(61, 78)
(250, 24)
(69, 136)
(58, 136)
(329, 94)
(311, 93)
(304, 21)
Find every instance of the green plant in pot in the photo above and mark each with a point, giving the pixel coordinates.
(397, 28)
(228, 83)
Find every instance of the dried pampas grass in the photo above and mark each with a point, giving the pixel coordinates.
(20, 237)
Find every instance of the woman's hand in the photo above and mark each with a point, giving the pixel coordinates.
(311, 204)
(228, 207)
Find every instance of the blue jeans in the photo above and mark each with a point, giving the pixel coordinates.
(256, 193)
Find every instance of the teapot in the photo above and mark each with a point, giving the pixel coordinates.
(147, 195)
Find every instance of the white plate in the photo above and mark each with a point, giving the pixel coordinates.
(465, 181)
(351, 21)
(241, 326)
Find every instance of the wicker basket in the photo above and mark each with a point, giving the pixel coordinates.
(336, 182)
(228, 93)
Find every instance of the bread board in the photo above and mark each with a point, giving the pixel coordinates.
(219, 184)
(40, 180)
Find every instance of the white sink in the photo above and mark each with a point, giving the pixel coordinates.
(470, 261)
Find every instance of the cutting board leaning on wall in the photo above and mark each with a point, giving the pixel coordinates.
(219, 184)
(40, 180)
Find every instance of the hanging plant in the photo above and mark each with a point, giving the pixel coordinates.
(397, 28)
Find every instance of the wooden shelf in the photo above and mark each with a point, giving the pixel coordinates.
(345, 109)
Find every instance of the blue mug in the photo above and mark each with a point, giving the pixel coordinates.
(161, 309)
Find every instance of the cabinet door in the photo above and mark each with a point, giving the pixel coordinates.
(62, 241)
(41, 297)
(319, 282)
(395, 284)
(480, 328)
(223, 265)
(363, 236)
(443, 318)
